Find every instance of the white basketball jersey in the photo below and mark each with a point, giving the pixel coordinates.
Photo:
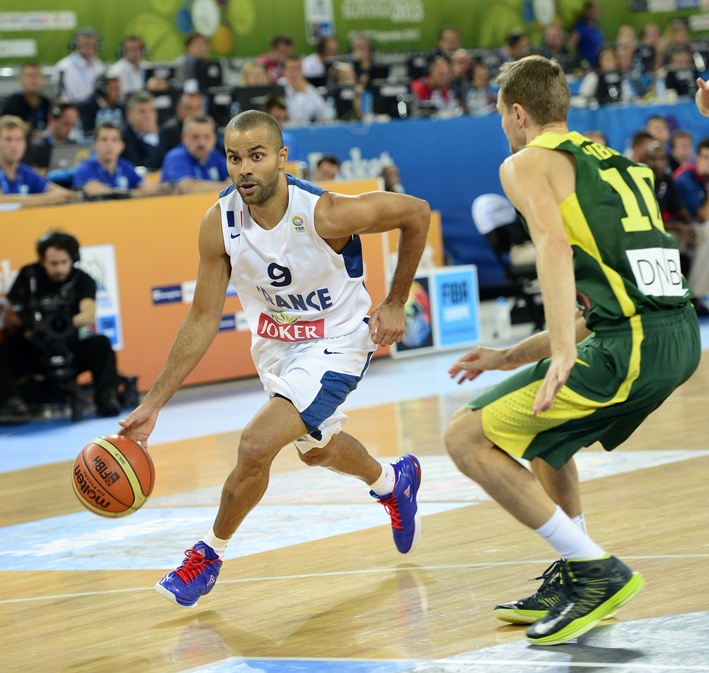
(292, 285)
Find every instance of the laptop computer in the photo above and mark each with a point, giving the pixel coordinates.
(68, 155)
(253, 97)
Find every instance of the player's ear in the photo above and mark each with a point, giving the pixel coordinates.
(282, 157)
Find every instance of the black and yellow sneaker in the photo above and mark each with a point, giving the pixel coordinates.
(529, 610)
(589, 592)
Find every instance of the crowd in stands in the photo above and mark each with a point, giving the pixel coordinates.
(168, 117)
(133, 128)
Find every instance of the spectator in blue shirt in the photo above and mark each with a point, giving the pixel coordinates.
(196, 165)
(18, 182)
(107, 175)
(586, 36)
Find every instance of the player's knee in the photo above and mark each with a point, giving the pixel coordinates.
(252, 452)
(461, 437)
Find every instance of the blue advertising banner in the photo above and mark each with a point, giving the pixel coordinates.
(455, 309)
(442, 311)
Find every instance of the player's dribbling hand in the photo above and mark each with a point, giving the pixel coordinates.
(139, 424)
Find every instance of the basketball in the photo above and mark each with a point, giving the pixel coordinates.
(113, 476)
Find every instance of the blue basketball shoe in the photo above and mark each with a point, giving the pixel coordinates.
(194, 578)
(401, 503)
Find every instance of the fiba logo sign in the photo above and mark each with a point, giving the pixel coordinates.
(418, 330)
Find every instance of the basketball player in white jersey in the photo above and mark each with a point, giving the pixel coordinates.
(293, 253)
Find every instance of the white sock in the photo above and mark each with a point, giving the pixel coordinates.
(215, 543)
(580, 523)
(568, 540)
(385, 484)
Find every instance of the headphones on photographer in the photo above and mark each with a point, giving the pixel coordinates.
(59, 105)
(61, 241)
(87, 31)
(121, 51)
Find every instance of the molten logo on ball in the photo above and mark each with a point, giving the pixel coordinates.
(113, 476)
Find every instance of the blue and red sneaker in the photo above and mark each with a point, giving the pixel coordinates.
(401, 505)
(194, 578)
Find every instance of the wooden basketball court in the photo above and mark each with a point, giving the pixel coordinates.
(78, 589)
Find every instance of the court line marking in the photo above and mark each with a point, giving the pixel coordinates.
(455, 663)
(338, 573)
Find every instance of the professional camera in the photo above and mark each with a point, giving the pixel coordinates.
(50, 326)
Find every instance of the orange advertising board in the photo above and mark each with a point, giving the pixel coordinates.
(155, 246)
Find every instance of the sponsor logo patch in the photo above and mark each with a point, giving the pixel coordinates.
(289, 328)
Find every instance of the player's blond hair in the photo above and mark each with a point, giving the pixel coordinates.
(538, 85)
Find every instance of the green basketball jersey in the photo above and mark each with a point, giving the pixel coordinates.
(625, 263)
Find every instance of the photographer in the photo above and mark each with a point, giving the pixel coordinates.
(53, 310)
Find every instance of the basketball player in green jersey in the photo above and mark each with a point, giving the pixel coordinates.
(596, 225)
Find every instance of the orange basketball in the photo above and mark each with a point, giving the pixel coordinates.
(113, 476)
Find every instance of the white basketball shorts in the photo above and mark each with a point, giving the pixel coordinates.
(316, 376)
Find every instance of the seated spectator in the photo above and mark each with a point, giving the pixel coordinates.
(104, 106)
(274, 60)
(253, 73)
(107, 175)
(692, 180)
(392, 181)
(481, 98)
(638, 145)
(276, 107)
(658, 127)
(633, 84)
(171, 131)
(345, 91)
(448, 42)
(26, 351)
(130, 68)
(676, 35)
(682, 74)
(681, 149)
(305, 103)
(18, 182)
(555, 45)
(327, 168)
(461, 74)
(648, 54)
(433, 91)
(140, 133)
(587, 36)
(76, 74)
(677, 219)
(626, 36)
(186, 73)
(28, 103)
(196, 165)
(682, 216)
(61, 130)
(361, 57)
(317, 63)
(602, 85)
(516, 46)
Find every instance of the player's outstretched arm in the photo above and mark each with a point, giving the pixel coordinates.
(702, 97)
(339, 217)
(196, 332)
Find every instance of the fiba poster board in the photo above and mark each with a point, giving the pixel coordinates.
(442, 312)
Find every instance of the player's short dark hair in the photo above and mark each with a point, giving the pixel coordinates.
(249, 120)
